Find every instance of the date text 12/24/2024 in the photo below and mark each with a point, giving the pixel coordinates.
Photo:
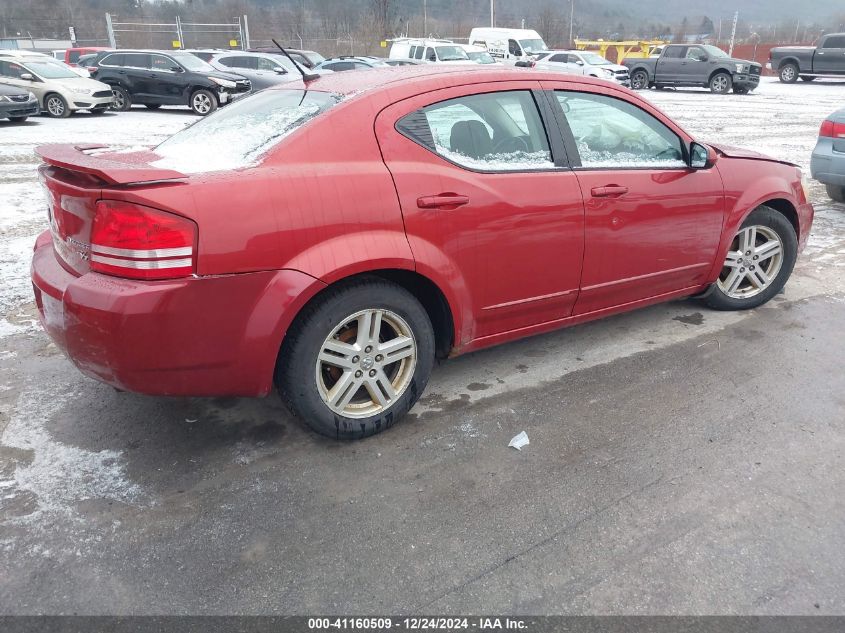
(417, 624)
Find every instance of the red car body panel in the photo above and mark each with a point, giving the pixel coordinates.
(529, 252)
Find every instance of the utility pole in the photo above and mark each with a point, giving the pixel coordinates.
(425, 18)
(733, 34)
(492, 13)
(571, 19)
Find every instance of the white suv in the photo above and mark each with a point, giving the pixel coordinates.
(582, 63)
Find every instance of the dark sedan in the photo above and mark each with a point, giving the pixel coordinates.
(17, 104)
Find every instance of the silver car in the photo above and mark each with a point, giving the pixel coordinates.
(827, 164)
(582, 63)
(262, 69)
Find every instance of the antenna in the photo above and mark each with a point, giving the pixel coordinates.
(306, 77)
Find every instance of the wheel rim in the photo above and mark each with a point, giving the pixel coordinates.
(202, 103)
(55, 106)
(366, 363)
(118, 99)
(637, 82)
(720, 83)
(753, 262)
(788, 73)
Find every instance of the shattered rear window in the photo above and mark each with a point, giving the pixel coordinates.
(240, 134)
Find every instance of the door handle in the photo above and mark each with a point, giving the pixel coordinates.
(608, 191)
(442, 201)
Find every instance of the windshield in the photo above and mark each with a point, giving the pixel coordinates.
(713, 51)
(50, 70)
(533, 46)
(594, 59)
(450, 53)
(482, 57)
(242, 132)
(192, 62)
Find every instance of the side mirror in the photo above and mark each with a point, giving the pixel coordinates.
(280, 71)
(700, 156)
(703, 58)
(27, 76)
(177, 69)
(580, 63)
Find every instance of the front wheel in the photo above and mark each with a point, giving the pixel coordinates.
(203, 102)
(56, 106)
(639, 80)
(721, 83)
(357, 359)
(836, 192)
(740, 91)
(760, 260)
(788, 73)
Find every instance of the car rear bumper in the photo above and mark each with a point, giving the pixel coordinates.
(827, 165)
(200, 336)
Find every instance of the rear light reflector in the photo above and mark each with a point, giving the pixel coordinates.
(832, 129)
(137, 242)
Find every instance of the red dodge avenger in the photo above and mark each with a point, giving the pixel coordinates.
(335, 237)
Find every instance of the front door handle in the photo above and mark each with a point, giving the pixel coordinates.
(608, 191)
(442, 201)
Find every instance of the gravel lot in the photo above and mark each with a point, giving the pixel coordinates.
(682, 461)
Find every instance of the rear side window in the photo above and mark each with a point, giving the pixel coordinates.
(675, 52)
(611, 133)
(136, 60)
(412, 51)
(497, 131)
(115, 59)
(559, 58)
(418, 54)
(240, 134)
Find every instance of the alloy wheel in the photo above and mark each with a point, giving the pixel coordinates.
(788, 73)
(55, 106)
(719, 83)
(202, 103)
(753, 262)
(118, 100)
(366, 363)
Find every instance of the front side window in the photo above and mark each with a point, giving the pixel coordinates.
(193, 63)
(160, 62)
(533, 45)
(611, 133)
(451, 53)
(11, 69)
(240, 134)
(418, 53)
(696, 53)
(835, 41)
(513, 48)
(497, 131)
(430, 55)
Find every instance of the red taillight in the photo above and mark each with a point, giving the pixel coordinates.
(832, 129)
(138, 242)
(92, 69)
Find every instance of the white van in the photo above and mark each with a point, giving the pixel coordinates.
(511, 45)
(428, 50)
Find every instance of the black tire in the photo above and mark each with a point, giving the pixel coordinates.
(203, 102)
(18, 119)
(296, 370)
(99, 110)
(639, 80)
(765, 217)
(740, 91)
(55, 106)
(152, 106)
(806, 78)
(720, 83)
(788, 73)
(122, 99)
(836, 193)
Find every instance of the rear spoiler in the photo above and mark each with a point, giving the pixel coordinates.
(113, 168)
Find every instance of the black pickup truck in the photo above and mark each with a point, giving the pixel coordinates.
(695, 65)
(827, 59)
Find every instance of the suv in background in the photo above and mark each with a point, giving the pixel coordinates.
(157, 78)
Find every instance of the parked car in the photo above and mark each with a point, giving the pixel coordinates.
(493, 211)
(157, 78)
(583, 63)
(350, 62)
(826, 59)
(16, 104)
(72, 55)
(827, 164)
(477, 54)
(309, 59)
(27, 55)
(59, 90)
(428, 51)
(510, 45)
(403, 62)
(261, 69)
(694, 65)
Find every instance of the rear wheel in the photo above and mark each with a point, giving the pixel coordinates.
(836, 192)
(203, 102)
(122, 99)
(721, 83)
(760, 260)
(56, 106)
(639, 80)
(357, 359)
(788, 73)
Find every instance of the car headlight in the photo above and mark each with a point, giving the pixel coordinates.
(741, 68)
(81, 91)
(32, 96)
(607, 72)
(4, 98)
(223, 82)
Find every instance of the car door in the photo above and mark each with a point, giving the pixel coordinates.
(486, 204)
(695, 66)
(671, 63)
(135, 75)
(652, 224)
(830, 58)
(166, 84)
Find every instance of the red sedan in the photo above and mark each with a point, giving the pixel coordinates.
(336, 237)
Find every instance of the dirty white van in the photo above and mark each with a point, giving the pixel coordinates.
(511, 45)
(428, 50)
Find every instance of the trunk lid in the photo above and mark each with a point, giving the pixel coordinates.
(73, 178)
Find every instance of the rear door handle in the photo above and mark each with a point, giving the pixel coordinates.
(442, 201)
(608, 191)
